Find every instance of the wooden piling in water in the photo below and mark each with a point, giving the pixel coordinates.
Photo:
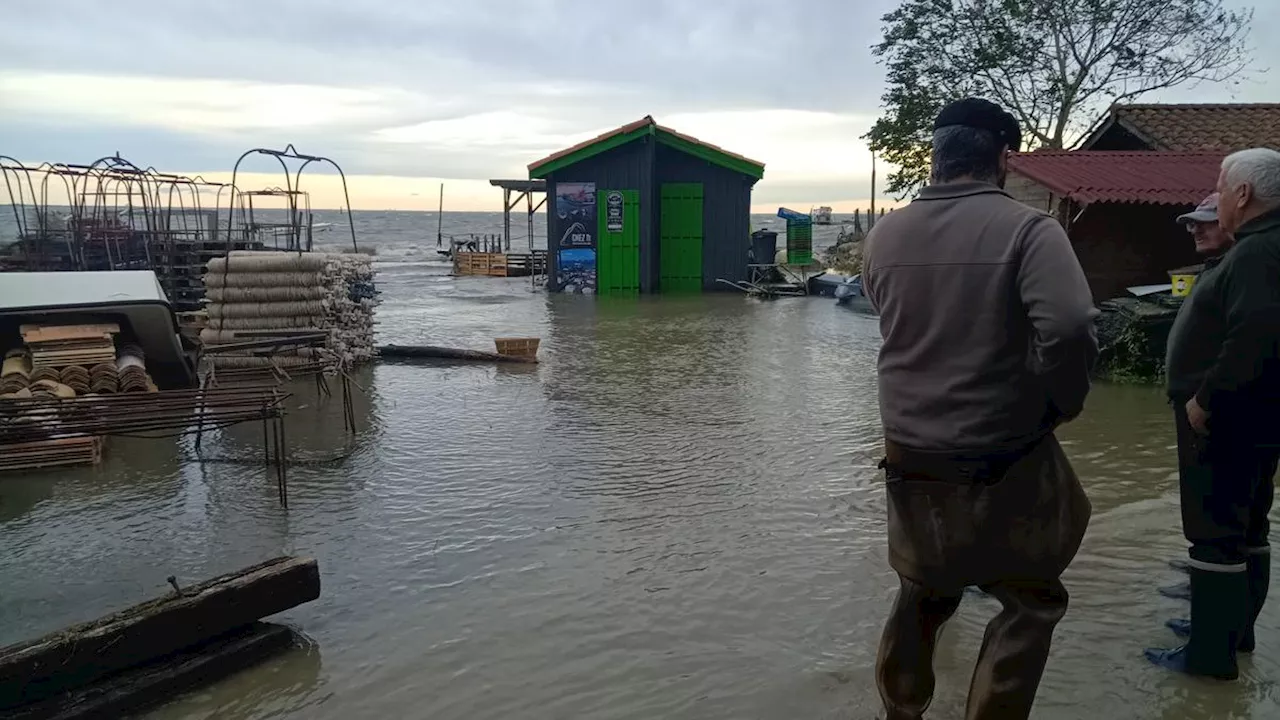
(41, 669)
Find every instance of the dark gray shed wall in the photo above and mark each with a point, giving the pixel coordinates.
(726, 213)
(627, 167)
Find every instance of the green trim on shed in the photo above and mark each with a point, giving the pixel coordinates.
(624, 135)
(603, 145)
(711, 155)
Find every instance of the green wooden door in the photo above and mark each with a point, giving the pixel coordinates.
(618, 251)
(680, 238)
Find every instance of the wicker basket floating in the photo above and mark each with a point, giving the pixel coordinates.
(518, 347)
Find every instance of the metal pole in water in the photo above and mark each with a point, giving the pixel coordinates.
(440, 218)
(873, 190)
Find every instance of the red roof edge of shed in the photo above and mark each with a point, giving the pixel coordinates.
(1092, 176)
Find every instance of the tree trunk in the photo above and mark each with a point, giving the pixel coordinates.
(415, 352)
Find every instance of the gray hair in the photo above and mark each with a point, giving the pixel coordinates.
(960, 152)
(1257, 167)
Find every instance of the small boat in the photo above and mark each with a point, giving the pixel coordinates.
(821, 216)
(849, 294)
(826, 284)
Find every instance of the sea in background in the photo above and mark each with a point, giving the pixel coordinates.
(675, 514)
(410, 236)
(400, 238)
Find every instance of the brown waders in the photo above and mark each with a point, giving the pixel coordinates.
(1009, 523)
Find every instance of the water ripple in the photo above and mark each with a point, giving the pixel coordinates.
(676, 514)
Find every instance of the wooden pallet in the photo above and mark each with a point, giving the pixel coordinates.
(55, 333)
(57, 346)
(58, 452)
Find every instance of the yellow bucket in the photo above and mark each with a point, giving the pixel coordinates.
(1182, 285)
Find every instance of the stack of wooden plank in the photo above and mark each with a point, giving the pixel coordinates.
(57, 346)
(51, 453)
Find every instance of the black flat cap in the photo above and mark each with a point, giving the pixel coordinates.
(984, 115)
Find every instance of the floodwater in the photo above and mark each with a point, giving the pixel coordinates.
(675, 515)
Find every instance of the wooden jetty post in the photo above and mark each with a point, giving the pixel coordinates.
(43, 669)
(524, 190)
(159, 681)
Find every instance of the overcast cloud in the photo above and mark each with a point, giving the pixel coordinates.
(404, 93)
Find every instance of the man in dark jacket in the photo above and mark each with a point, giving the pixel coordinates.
(1211, 242)
(988, 333)
(1224, 378)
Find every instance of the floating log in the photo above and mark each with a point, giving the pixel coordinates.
(76, 656)
(421, 352)
(160, 680)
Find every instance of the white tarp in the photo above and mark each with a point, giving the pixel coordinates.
(47, 289)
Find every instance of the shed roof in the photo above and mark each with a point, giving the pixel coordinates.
(632, 131)
(520, 185)
(1092, 176)
(1195, 127)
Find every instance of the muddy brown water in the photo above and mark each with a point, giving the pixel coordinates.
(675, 515)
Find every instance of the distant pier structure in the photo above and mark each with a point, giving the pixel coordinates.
(522, 190)
(498, 260)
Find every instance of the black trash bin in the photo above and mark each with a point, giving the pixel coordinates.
(764, 247)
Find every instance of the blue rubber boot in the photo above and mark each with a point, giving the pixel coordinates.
(1259, 571)
(1176, 592)
(1219, 606)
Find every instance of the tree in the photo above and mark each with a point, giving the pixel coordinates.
(1054, 64)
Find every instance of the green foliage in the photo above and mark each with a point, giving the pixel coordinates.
(1054, 64)
(1129, 359)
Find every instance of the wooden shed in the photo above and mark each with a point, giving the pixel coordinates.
(645, 209)
(1119, 208)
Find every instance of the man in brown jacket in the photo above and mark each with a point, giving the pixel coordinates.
(988, 333)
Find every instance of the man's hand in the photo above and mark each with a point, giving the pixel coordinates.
(1197, 417)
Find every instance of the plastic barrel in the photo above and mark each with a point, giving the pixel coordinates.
(764, 245)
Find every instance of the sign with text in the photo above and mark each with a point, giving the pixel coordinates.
(576, 209)
(613, 211)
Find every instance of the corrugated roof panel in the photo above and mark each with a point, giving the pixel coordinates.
(1084, 176)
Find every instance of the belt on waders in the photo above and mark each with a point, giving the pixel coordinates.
(979, 466)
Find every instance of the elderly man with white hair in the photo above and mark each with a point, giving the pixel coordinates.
(1224, 358)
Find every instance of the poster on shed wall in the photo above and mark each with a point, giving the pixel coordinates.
(576, 210)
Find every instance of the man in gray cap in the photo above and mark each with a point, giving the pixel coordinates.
(988, 333)
(1211, 242)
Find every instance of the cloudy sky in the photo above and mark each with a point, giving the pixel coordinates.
(407, 94)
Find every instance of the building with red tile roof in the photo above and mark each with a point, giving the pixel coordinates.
(1186, 127)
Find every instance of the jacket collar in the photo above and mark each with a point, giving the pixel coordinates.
(949, 191)
(1269, 220)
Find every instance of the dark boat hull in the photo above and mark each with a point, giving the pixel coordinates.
(857, 303)
(825, 285)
